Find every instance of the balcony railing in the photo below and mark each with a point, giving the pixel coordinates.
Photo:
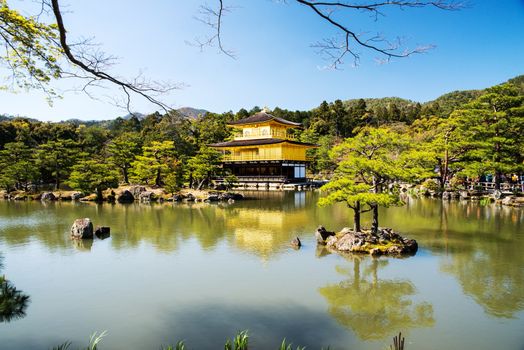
(264, 134)
(255, 157)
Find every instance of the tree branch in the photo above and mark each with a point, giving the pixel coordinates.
(92, 67)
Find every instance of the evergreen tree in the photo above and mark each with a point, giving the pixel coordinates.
(18, 166)
(367, 164)
(493, 126)
(122, 151)
(155, 162)
(91, 176)
(204, 165)
(57, 157)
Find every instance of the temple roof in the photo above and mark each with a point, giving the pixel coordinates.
(261, 117)
(268, 141)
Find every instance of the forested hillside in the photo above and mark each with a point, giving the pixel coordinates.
(170, 150)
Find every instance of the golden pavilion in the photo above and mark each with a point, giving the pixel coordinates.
(264, 151)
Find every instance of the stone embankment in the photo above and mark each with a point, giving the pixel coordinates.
(493, 196)
(129, 194)
(384, 242)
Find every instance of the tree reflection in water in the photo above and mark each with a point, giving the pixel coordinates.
(13, 303)
(375, 308)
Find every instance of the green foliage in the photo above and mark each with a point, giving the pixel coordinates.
(431, 185)
(31, 49)
(230, 181)
(240, 342)
(94, 340)
(367, 164)
(93, 176)
(493, 127)
(13, 303)
(122, 151)
(204, 165)
(157, 159)
(57, 157)
(284, 346)
(483, 135)
(18, 166)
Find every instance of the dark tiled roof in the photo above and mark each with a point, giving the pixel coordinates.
(261, 117)
(268, 141)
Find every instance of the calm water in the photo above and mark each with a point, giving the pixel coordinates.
(202, 272)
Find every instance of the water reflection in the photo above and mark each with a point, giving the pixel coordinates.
(481, 246)
(372, 307)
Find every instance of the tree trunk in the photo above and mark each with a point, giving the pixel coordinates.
(57, 180)
(498, 179)
(201, 184)
(158, 178)
(374, 207)
(126, 178)
(374, 224)
(356, 217)
(99, 197)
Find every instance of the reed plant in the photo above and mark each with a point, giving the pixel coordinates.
(239, 342)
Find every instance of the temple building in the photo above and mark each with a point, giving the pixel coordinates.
(264, 151)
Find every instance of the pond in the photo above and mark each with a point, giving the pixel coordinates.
(202, 272)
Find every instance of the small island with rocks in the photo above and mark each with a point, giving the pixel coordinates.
(384, 242)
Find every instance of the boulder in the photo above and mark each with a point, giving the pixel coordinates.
(446, 195)
(178, 198)
(82, 229)
(321, 234)
(230, 195)
(146, 197)
(497, 194)
(213, 198)
(76, 196)
(190, 197)
(20, 197)
(464, 194)
(136, 190)
(126, 197)
(349, 242)
(295, 243)
(509, 200)
(47, 196)
(102, 232)
(375, 252)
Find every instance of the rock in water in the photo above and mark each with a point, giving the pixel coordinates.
(47, 196)
(102, 232)
(295, 243)
(146, 197)
(136, 190)
(497, 194)
(82, 229)
(322, 234)
(126, 197)
(385, 241)
(213, 198)
(76, 196)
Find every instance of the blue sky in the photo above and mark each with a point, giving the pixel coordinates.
(476, 47)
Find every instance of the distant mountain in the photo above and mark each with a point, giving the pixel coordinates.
(11, 117)
(139, 115)
(191, 112)
(188, 112)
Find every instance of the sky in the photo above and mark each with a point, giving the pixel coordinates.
(275, 65)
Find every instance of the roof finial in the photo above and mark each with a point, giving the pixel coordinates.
(265, 109)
